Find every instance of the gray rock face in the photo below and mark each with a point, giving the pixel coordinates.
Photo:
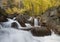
(51, 18)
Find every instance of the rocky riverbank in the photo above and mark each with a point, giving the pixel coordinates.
(49, 20)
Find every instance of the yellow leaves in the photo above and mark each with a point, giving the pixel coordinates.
(35, 7)
(9, 11)
(27, 4)
(20, 11)
(15, 10)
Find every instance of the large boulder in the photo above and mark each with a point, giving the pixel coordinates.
(40, 31)
(22, 19)
(51, 18)
(14, 25)
(3, 15)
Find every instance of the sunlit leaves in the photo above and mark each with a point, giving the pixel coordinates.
(35, 7)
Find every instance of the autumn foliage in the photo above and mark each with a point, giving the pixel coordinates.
(33, 7)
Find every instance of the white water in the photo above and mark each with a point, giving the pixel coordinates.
(9, 22)
(13, 35)
(52, 38)
(35, 22)
(28, 25)
(30, 19)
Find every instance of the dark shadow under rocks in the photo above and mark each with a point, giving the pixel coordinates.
(14, 25)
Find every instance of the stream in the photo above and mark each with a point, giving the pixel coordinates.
(9, 34)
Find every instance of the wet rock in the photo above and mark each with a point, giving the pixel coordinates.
(3, 15)
(32, 21)
(22, 19)
(40, 31)
(14, 25)
(11, 16)
(39, 22)
(57, 29)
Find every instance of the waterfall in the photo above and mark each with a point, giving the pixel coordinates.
(9, 22)
(35, 22)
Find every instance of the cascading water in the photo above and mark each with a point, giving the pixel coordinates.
(9, 34)
(35, 22)
(9, 22)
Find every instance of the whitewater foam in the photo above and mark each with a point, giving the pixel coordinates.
(8, 34)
